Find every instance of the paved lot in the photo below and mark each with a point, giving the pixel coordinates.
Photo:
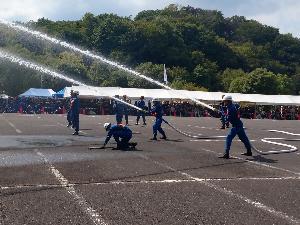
(47, 176)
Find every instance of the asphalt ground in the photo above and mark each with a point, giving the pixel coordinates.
(48, 176)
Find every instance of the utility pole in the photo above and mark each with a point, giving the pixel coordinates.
(41, 80)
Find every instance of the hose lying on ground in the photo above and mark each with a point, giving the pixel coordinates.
(189, 135)
(265, 140)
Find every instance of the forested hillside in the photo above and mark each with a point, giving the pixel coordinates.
(202, 50)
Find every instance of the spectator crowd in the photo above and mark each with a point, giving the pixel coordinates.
(171, 108)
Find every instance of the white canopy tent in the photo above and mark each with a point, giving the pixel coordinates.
(164, 94)
(4, 96)
(35, 92)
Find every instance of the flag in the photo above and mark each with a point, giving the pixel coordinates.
(165, 75)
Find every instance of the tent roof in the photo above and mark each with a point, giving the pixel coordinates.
(164, 94)
(63, 93)
(4, 96)
(35, 92)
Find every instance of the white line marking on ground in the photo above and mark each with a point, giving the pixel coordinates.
(62, 125)
(211, 140)
(230, 193)
(147, 182)
(93, 215)
(284, 132)
(13, 126)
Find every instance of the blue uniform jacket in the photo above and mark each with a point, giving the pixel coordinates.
(233, 115)
(119, 108)
(157, 110)
(75, 106)
(117, 132)
(222, 109)
(141, 104)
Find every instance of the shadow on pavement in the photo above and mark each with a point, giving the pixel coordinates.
(260, 158)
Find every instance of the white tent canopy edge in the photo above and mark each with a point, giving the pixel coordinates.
(163, 94)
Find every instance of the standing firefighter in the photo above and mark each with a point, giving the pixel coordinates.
(158, 113)
(237, 127)
(69, 115)
(119, 110)
(141, 104)
(75, 108)
(122, 135)
(223, 114)
(125, 109)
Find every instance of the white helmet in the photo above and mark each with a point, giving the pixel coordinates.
(227, 98)
(107, 126)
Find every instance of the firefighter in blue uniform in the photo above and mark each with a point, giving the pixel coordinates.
(237, 127)
(158, 113)
(141, 104)
(119, 110)
(75, 108)
(69, 115)
(125, 109)
(223, 114)
(122, 135)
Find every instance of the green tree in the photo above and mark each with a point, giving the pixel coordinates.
(205, 75)
(229, 75)
(177, 74)
(72, 65)
(239, 85)
(181, 85)
(259, 81)
(284, 84)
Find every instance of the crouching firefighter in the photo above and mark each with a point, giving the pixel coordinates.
(237, 127)
(122, 135)
(158, 113)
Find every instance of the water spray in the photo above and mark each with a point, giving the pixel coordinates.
(64, 44)
(102, 59)
(39, 68)
(30, 65)
(42, 69)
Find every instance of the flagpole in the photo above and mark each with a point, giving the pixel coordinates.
(165, 75)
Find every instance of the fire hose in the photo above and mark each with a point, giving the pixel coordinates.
(265, 140)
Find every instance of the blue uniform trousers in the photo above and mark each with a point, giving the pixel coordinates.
(157, 127)
(69, 117)
(139, 116)
(242, 136)
(126, 118)
(123, 143)
(75, 122)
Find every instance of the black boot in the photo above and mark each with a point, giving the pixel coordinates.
(225, 156)
(154, 138)
(248, 153)
(76, 133)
